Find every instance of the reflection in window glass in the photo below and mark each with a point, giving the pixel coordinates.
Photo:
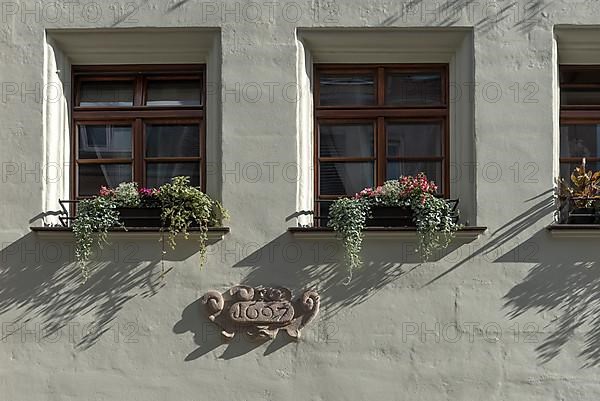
(93, 176)
(345, 178)
(414, 139)
(106, 93)
(104, 141)
(346, 140)
(174, 93)
(413, 88)
(346, 90)
(161, 173)
(172, 140)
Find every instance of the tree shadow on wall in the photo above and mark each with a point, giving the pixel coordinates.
(565, 281)
(484, 17)
(42, 284)
(541, 208)
(299, 265)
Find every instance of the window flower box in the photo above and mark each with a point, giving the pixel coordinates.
(579, 197)
(406, 202)
(390, 216)
(175, 207)
(140, 216)
(584, 215)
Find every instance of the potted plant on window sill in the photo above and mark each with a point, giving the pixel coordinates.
(580, 198)
(173, 207)
(406, 202)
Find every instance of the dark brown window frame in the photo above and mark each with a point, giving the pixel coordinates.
(378, 114)
(578, 114)
(138, 115)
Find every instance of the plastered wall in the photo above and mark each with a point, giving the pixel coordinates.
(512, 315)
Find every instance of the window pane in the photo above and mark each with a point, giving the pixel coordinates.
(414, 139)
(346, 140)
(346, 89)
(106, 93)
(104, 141)
(174, 93)
(580, 140)
(323, 212)
(160, 173)
(567, 168)
(345, 178)
(580, 76)
(432, 169)
(418, 88)
(579, 97)
(173, 140)
(92, 176)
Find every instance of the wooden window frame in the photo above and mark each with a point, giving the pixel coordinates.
(578, 114)
(379, 113)
(138, 115)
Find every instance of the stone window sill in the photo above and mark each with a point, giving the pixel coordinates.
(465, 233)
(214, 233)
(574, 230)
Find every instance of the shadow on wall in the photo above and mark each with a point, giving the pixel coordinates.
(299, 265)
(565, 282)
(485, 17)
(42, 284)
(501, 237)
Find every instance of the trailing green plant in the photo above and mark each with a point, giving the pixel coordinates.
(94, 217)
(182, 206)
(433, 216)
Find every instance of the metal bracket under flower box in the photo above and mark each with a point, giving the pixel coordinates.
(260, 312)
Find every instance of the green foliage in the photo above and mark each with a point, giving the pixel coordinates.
(126, 195)
(182, 205)
(348, 217)
(94, 217)
(433, 216)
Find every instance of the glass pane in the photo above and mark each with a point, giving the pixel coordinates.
(346, 89)
(579, 97)
(581, 76)
(174, 93)
(414, 139)
(345, 178)
(580, 140)
(160, 173)
(104, 141)
(93, 176)
(173, 140)
(106, 93)
(567, 168)
(418, 88)
(323, 213)
(432, 169)
(346, 140)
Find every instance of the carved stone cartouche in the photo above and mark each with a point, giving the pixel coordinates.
(260, 312)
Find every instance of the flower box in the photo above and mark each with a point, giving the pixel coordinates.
(390, 216)
(140, 217)
(583, 215)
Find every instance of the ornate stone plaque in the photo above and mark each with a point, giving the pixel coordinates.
(260, 312)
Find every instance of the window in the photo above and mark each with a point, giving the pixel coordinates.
(377, 122)
(137, 123)
(579, 117)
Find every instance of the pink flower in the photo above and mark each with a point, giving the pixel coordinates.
(104, 191)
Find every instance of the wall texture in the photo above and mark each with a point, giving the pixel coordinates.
(512, 315)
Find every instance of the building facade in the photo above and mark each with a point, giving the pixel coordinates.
(278, 107)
